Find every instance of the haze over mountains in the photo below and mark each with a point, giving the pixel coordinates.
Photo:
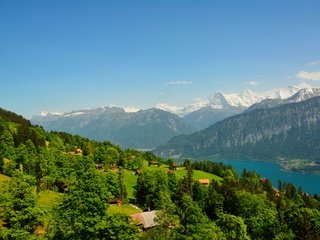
(147, 129)
(144, 129)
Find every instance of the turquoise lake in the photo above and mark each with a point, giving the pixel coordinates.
(309, 182)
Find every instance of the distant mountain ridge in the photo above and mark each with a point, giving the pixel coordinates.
(222, 100)
(301, 95)
(291, 130)
(221, 106)
(147, 129)
(144, 129)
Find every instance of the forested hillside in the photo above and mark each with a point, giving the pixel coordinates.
(290, 131)
(59, 186)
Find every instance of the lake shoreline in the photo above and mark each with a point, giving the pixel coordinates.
(275, 171)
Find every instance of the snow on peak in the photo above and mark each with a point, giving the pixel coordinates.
(305, 94)
(45, 114)
(218, 101)
(193, 107)
(131, 109)
(244, 99)
(74, 114)
(169, 108)
(182, 111)
(282, 93)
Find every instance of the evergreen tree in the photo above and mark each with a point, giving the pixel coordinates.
(122, 187)
(19, 210)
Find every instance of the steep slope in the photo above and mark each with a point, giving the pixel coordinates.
(144, 129)
(207, 116)
(291, 130)
(219, 107)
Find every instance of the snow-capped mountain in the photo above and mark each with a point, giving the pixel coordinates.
(282, 93)
(244, 99)
(305, 94)
(169, 108)
(222, 100)
(221, 105)
(301, 95)
(181, 111)
(248, 97)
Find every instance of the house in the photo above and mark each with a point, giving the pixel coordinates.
(277, 192)
(71, 153)
(113, 167)
(117, 201)
(100, 167)
(174, 166)
(146, 219)
(138, 171)
(113, 201)
(170, 172)
(204, 182)
(263, 180)
(153, 162)
(65, 188)
(77, 151)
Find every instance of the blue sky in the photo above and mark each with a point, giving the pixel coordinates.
(65, 55)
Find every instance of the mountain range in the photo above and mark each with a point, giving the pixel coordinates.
(302, 95)
(222, 100)
(220, 106)
(287, 130)
(148, 129)
(144, 129)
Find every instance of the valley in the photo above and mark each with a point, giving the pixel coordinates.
(54, 185)
(160, 120)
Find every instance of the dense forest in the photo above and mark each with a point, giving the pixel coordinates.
(86, 175)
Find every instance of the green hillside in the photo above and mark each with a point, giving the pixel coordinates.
(54, 185)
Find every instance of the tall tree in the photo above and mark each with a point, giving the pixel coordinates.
(122, 187)
(82, 212)
(19, 210)
(233, 227)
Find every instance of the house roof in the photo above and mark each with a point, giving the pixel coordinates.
(147, 219)
(204, 181)
(175, 165)
(137, 217)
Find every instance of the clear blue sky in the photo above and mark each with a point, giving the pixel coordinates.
(65, 55)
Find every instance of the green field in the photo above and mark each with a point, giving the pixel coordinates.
(47, 199)
(198, 174)
(126, 209)
(130, 181)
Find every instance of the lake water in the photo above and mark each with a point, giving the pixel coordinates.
(309, 182)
